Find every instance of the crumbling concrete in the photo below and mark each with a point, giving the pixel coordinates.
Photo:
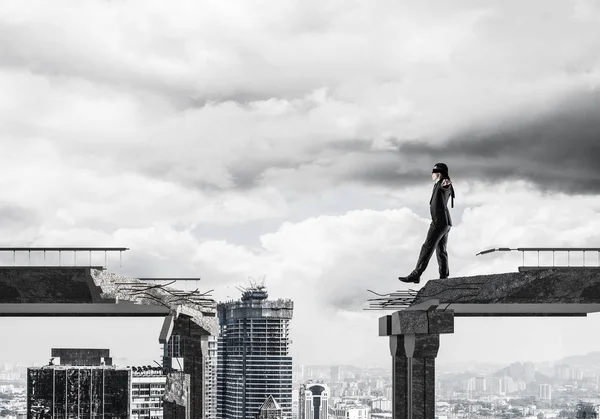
(177, 389)
(111, 289)
(552, 286)
(191, 322)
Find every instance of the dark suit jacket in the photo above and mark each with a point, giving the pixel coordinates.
(438, 204)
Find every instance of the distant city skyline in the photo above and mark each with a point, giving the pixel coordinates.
(517, 389)
(325, 369)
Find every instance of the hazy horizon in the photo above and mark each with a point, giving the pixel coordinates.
(124, 361)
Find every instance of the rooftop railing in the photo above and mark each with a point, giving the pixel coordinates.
(537, 250)
(60, 250)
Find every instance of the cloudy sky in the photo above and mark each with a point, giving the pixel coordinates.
(294, 140)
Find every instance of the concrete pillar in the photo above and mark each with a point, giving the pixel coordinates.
(414, 335)
(413, 363)
(191, 338)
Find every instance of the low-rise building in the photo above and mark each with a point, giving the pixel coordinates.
(351, 411)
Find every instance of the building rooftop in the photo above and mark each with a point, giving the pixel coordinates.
(82, 356)
(79, 367)
(270, 404)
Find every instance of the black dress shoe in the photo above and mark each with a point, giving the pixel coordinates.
(410, 278)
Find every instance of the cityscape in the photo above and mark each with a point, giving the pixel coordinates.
(245, 371)
(518, 390)
(300, 209)
(232, 359)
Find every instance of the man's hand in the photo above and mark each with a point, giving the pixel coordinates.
(446, 183)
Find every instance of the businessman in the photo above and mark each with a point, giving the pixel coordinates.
(441, 222)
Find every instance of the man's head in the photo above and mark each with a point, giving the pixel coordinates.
(440, 170)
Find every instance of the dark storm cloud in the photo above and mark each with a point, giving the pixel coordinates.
(558, 151)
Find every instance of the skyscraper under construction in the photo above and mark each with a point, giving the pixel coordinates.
(253, 355)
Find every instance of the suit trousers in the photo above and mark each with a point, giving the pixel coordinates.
(437, 239)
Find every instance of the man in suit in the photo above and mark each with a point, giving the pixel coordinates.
(441, 222)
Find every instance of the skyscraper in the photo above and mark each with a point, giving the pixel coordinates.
(210, 387)
(313, 401)
(562, 371)
(545, 392)
(253, 355)
(335, 374)
(481, 384)
(576, 375)
(509, 384)
(186, 362)
(529, 372)
(497, 384)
